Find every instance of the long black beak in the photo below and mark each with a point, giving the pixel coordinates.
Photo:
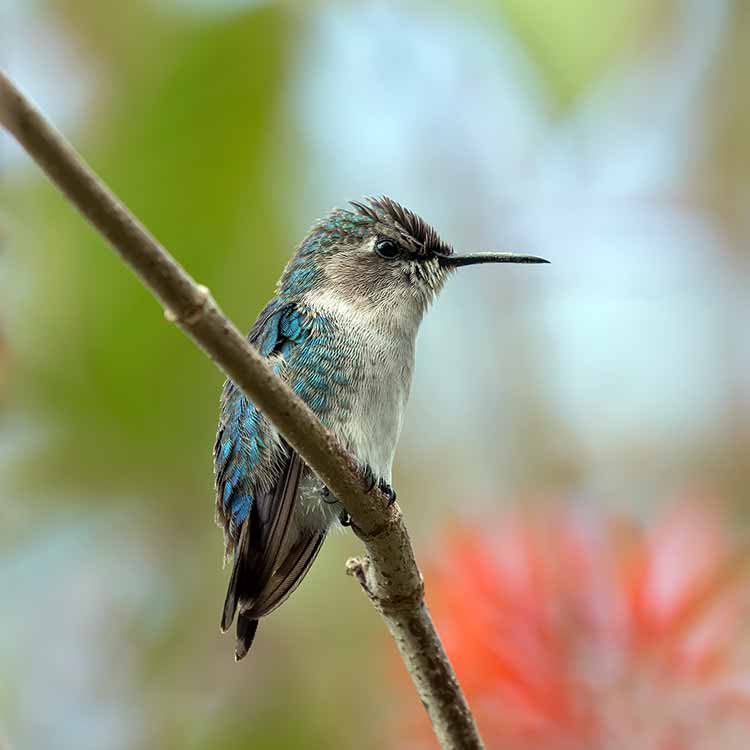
(454, 261)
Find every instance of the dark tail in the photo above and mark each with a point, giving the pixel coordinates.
(246, 628)
(271, 557)
(275, 588)
(232, 598)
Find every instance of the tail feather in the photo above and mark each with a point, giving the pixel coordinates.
(232, 598)
(246, 627)
(230, 602)
(271, 557)
(294, 565)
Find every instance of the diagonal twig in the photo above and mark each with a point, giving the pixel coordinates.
(388, 573)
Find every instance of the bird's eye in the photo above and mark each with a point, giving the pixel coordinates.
(387, 249)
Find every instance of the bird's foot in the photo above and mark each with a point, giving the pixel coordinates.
(371, 481)
(388, 491)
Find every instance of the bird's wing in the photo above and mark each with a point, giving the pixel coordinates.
(247, 451)
(257, 480)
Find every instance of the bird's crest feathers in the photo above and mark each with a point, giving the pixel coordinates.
(414, 232)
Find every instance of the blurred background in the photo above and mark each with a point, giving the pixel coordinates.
(608, 391)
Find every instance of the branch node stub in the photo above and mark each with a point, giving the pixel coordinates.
(357, 567)
(194, 313)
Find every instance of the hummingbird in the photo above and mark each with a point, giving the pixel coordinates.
(341, 331)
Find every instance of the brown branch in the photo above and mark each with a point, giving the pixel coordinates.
(389, 572)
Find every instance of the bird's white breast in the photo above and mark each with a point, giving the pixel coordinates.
(370, 428)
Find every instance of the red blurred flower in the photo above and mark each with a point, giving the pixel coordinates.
(576, 633)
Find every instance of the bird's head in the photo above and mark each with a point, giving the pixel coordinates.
(378, 257)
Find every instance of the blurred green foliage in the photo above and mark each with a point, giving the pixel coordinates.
(192, 147)
(574, 42)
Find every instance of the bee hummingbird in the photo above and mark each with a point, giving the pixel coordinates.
(341, 332)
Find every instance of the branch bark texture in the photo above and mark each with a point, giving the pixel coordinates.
(388, 573)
